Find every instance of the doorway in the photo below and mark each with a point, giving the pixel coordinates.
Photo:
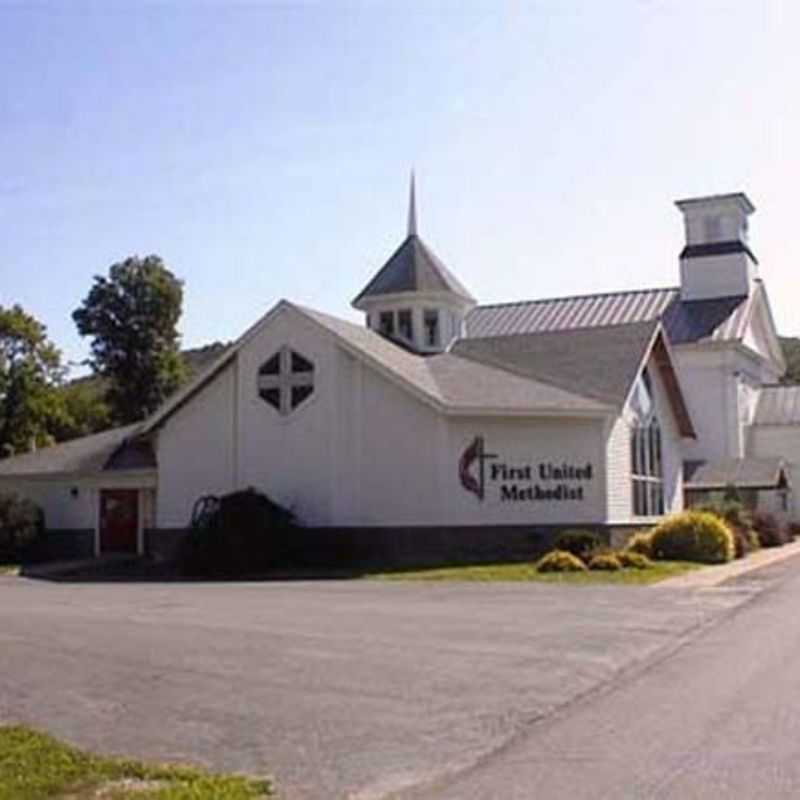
(119, 520)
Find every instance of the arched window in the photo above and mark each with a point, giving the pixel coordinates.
(647, 474)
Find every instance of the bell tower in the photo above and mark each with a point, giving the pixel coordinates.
(716, 260)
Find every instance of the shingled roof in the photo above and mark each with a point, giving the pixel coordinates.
(459, 384)
(746, 473)
(717, 319)
(89, 454)
(413, 267)
(599, 362)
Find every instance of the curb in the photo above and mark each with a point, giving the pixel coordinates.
(56, 569)
(709, 577)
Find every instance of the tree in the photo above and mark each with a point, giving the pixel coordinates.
(85, 410)
(30, 371)
(132, 316)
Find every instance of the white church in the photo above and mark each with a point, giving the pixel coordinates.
(443, 420)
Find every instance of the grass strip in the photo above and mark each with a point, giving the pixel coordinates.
(34, 766)
(498, 573)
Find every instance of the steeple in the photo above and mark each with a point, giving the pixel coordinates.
(412, 208)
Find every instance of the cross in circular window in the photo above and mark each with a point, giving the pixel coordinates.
(285, 380)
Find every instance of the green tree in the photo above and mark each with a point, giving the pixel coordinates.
(132, 316)
(85, 410)
(30, 371)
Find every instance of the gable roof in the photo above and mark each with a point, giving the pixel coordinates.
(745, 473)
(778, 405)
(722, 319)
(87, 455)
(600, 362)
(413, 267)
(454, 383)
(450, 383)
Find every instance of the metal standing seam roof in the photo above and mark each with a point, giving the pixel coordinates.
(718, 319)
(778, 405)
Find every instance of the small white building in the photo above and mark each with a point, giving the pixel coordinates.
(444, 421)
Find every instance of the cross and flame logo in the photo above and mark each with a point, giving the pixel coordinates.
(475, 453)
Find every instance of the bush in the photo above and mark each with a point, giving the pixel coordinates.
(793, 530)
(608, 562)
(641, 543)
(243, 532)
(739, 520)
(693, 536)
(580, 543)
(560, 561)
(745, 541)
(21, 526)
(769, 530)
(632, 560)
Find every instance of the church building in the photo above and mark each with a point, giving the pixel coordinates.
(439, 415)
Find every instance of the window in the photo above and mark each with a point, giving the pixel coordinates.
(285, 380)
(430, 322)
(405, 325)
(386, 323)
(647, 473)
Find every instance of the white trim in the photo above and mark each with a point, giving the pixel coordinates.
(96, 492)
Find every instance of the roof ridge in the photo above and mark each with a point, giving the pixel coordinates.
(562, 331)
(578, 297)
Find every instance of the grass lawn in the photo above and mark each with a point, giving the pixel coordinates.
(527, 572)
(34, 766)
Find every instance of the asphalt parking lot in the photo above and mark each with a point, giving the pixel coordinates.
(339, 689)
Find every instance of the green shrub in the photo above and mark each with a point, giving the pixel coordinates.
(21, 526)
(641, 543)
(693, 536)
(581, 543)
(632, 560)
(740, 521)
(608, 562)
(769, 530)
(239, 533)
(560, 561)
(745, 541)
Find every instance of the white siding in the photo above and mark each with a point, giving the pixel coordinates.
(362, 450)
(62, 510)
(618, 458)
(780, 441)
(195, 452)
(618, 469)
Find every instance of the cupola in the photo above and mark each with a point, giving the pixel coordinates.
(414, 299)
(716, 260)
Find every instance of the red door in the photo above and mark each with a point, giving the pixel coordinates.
(119, 520)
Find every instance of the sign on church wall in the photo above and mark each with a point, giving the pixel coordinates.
(489, 475)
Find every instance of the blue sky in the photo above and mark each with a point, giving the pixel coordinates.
(263, 150)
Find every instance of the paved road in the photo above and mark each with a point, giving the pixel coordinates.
(358, 689)
(719, 718)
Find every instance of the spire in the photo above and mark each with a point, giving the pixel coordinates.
(412, 209)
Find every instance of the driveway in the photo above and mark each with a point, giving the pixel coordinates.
(339, 689)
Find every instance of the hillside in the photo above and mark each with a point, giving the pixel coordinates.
(791, 352)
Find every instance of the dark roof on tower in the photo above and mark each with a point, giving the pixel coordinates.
(717, 319)
(413, 267)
